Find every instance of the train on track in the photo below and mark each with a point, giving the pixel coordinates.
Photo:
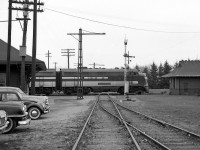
(94, 80)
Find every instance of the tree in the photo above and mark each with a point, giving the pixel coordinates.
(176, 65)
(167, 69)
(160, 74)
(138, 68)
(153, 78)
(146, 70)
(160, 70)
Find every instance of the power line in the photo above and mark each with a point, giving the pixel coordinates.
(7, 20)
(116, 25)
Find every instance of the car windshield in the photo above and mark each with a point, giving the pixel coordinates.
(21, 92)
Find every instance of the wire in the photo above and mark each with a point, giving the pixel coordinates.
(116, 25)
(7, 20)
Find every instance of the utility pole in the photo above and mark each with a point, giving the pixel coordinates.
(68, 54)
(95, 64)
(34, 47)
(22, 51)
(48, 55)
(80, 61)
(25, 3)
(55, 64)
(9, 43)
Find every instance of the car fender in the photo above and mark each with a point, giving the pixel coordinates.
(35, 105)
(13, 109)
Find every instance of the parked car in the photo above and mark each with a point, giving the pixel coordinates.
(36, 105)
(16, 111)
(3, 121)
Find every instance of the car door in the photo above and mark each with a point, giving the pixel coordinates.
(6, 104)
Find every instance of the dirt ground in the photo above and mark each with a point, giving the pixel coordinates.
(55, 130)
(60, 128)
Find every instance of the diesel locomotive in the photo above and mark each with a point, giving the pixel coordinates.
(93, 80)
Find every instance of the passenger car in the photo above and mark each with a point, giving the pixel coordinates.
(3, 121)
(36, 105)
(16, 111)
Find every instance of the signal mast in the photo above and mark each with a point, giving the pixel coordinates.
(126, 83)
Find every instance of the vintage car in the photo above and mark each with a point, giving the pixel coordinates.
(36, 105)
(3, 121)
(16, 113)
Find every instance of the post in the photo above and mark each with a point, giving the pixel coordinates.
(48, 59)
(48, 56)
(34, 48)
(80, 61)
(23, 49)
(55, 64)
(68, 58)
(80, 68)
(125, 70)
(9, 43)
(68, 55)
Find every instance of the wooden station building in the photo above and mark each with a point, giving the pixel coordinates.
(185, 79)
(15, 66)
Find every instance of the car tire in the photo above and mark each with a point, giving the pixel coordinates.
(34, 113)
(12, 124)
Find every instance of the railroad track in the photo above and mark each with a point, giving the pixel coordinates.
(107, 132)
(133, 130)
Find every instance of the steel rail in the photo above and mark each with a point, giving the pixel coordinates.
(189, 133)
(141, 132)
(83, 129)
(149, 137)
(155, 141)
(125, 123)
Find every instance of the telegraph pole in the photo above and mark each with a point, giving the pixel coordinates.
(55, 64)
(48, 55)
(80, 61)
(80, 68)
(9, 43)
(68, 54)
(25, 3)
(95, 64)
(34, 48)
(23, 47)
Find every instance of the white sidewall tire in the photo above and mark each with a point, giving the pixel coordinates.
(11, 125)
(34, 113)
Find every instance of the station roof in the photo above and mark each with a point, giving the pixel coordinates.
(186, 69)
(15, 58)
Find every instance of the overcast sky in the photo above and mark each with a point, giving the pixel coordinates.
(157, 30)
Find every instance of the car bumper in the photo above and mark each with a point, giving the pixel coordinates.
(24, 122)
(46, 110)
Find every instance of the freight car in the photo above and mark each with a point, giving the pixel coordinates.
(94, 80)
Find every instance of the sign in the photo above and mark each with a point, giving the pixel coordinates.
(22, 51)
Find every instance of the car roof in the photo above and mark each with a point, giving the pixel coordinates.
(8, 89)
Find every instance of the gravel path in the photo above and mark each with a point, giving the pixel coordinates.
(60, 128)
(55, 130)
